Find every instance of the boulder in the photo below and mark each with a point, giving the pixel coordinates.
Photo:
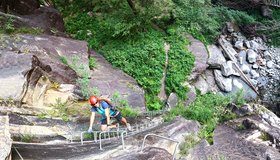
(242, 56)
(228, 70)
(269, 64)
(191, 96)
(216, 58)
(254, 45)
(245, 109)
(267, 55)
(238, 84)
(201, 55)
(210, 80)
(251, 56)
(225, 84)
(172, 100)
(245, 69)
(248, 44)
(255, 66)
(254, 74)
(115, 80)
(232, 27)
(239, 45)
(201, 85)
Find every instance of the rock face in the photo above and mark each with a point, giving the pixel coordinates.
(172, 100)
(201, 55)
(24, 7)
(31, 65)
(5, 138)
(109, 81)
(47, 19)
(157, 148)
(149, 153)
(251, 137)
(177, 130)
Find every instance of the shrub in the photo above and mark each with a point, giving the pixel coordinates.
(92, 63)
(180, 64)
(63, 60)
(123, 106)
(189, 142)
(26, 138)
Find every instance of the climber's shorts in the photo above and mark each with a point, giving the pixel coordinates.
(118, 117)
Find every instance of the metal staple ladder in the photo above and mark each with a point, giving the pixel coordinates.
(117, 133)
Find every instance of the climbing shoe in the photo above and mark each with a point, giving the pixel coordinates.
(128, 127)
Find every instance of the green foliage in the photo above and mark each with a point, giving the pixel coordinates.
(66, 110)
(268, 27)
(208, 109)
(41, 116)
(141, 57)
(83, 73)
(264, 136)
(88, 136)
(240, 127)
(180, 64)
(123, 106)
(60, 110)
(127, 111)
(238, 98)
(84, 84)
(92, 63)
(178, 110)
(153, 102)
(119, 18)
(7, 27)
(132, 36)
(79, 68)
(190, 142)
(203, 20)
(27, 138)
(63, 60)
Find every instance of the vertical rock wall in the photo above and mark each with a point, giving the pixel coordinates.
(5, 138)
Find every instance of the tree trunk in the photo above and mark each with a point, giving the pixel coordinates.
(132, 6)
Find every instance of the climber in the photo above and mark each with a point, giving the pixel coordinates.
(106, 109)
